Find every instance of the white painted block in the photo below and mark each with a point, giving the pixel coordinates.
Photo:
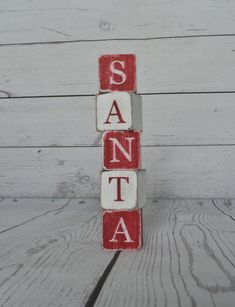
(119, 111)
(123, 189)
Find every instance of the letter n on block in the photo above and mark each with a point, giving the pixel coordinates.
(117, 72)
(122, 229)
(121, 150)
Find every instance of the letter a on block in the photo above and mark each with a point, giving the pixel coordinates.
(119, 111)
(122, 229)
(115, 111)
(117, 72)
(121, 150)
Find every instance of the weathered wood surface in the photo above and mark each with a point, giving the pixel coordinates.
(54, 259)
(226, 206)
(51, 48)
(188, 259)
(202, 119)
(167, 65)
(181, 171)
(18, 211)
(66, 20)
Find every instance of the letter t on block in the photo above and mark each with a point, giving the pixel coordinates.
(123, 189)
(122, 229)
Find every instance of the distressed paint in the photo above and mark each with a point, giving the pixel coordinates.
(62, 243)
(119, 111)
(117, 72)
(170, 120)
(121, 150)
(123, 190)
(38, 21)
(187, 259)
(122, 229)
(201, 64)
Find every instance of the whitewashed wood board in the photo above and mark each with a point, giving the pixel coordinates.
(199, 119)
(187, 259)
(55, 259)
(16, 212)
(168, 65)
(65, 20)
(226, 206)
(181, 171)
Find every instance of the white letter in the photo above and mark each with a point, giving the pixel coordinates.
(118, 72)
(121, 148)
(124, 231)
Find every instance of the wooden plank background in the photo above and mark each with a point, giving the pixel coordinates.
(188, 64)
(49, 75)
(66, 20)
(205, 119)
(70, 172)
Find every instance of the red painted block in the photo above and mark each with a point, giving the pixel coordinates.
(122, 229)
(121, 150)
(117, 72)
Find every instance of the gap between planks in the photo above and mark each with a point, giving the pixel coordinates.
(118, 39)
(8, 95)
(99, 146)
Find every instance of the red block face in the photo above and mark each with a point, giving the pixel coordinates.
(117, 72)
(122, 229)
(121, 150)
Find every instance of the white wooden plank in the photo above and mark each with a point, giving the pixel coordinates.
(15, 212)
(204, 171)
(169, 65)
(54, 260)
(64, 20)
(226, 206)
(187, 260)
(168, 120)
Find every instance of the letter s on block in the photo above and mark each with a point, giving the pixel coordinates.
(118, 72)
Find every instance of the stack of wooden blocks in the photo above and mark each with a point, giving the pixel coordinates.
(123, 183)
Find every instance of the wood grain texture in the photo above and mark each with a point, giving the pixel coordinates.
(16, 212)
(190, 171)
(168, 65)
(204, 119)
(54, 260)
(226, 207)
(188, 259)
(65, 20)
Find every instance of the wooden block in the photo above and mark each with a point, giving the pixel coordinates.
(122, 229)
(123, 190)
(119, 111)
(121, 150)
(117, 72)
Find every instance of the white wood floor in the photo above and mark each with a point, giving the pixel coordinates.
(51, 255)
